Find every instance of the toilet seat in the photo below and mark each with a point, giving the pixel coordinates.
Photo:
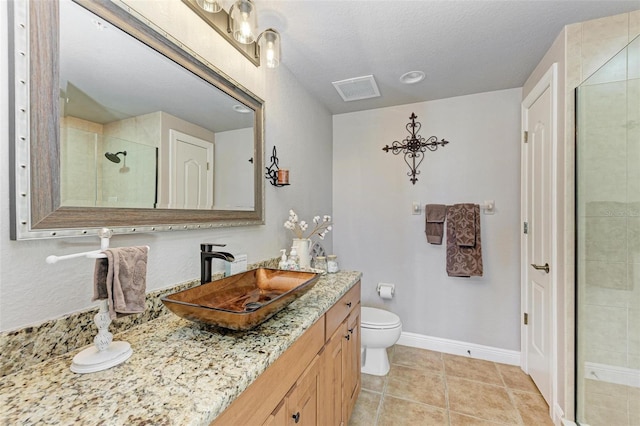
(378, 319)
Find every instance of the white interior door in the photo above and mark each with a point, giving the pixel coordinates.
(191, 172)
(538, 195)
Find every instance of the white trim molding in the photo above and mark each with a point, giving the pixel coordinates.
(548, 80)
(455, 347)
(612, 374)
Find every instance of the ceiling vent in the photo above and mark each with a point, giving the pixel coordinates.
(354, 89)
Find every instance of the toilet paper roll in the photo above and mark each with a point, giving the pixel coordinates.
(386, 292)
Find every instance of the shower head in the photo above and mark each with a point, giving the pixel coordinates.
(114, 157)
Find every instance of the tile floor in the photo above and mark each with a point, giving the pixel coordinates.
(432, 388)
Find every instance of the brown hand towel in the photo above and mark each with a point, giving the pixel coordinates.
(121, 278)
(434, 227)
(464, 251)
(465, 224)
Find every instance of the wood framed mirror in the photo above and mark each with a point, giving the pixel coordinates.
(86, 90)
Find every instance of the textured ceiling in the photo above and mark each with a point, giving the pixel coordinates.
(464, 47)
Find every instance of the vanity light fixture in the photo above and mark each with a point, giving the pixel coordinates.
(239, 27)
(244, 21)
(269, 44)
(413, 147)
(211, 6)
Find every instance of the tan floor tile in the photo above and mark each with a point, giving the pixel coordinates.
(532, 408)
(418, 358)
(634, 406)
(472, 369)
(396, 412)
(457, 419)
(481, 400)
(366, 409)
(390, 351)
(416, 385)
(373, 383)
(516, 379)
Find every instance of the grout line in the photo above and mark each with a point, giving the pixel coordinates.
(443, 373)
(446, 388)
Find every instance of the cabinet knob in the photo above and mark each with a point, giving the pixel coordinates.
(348, 337)
(348, 304)
(351, 331)
(296, 417)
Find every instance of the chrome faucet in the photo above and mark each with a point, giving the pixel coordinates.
(206, 255)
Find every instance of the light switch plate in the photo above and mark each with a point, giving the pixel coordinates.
(416, 208)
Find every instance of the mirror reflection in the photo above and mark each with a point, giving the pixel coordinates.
(139, 131)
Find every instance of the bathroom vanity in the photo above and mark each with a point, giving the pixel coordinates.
(303, 364)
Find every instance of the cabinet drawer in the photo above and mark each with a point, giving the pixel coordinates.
(342, 308)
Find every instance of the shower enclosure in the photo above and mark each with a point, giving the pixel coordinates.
(608, 243)
(90, 176)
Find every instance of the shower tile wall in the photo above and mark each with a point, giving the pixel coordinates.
(89, 180)
(609, 238)
(132, 183)
(81, 180)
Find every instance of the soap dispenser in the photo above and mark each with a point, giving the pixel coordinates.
(283, 260)
(294, 261)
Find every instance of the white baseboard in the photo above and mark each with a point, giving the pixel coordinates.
(612, 374)
(454, 347)
(566, 422)
(558, 416)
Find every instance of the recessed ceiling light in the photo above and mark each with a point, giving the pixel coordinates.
(412, 77)
(241, 109)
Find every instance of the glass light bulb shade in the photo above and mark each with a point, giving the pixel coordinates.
(270, 48)
(211, 6)
(244, 21)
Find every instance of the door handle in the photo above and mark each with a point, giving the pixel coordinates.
(544, 267)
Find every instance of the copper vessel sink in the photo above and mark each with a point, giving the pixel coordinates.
(241, 301)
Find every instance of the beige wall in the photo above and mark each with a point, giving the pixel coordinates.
(579, 51)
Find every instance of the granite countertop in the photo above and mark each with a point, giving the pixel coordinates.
(180, 373)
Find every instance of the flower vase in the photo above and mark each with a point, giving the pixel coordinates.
(303, 247)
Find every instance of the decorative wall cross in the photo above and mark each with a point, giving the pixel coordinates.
(413, 147)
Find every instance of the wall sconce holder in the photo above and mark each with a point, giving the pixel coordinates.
(274, 175)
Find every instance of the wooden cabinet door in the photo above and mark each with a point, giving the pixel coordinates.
(302, 402)
(279, 416)
(352, 362)
(332, 398)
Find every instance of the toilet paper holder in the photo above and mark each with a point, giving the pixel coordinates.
(382, 286)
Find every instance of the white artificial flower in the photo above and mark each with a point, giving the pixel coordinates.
(322, 225)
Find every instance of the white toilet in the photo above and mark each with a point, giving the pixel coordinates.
(380, 330)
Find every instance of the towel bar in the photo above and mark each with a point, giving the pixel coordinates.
(104, 353)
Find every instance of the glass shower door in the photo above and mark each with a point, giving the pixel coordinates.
(608, 243)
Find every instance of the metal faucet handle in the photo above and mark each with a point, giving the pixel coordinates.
(209, 246)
